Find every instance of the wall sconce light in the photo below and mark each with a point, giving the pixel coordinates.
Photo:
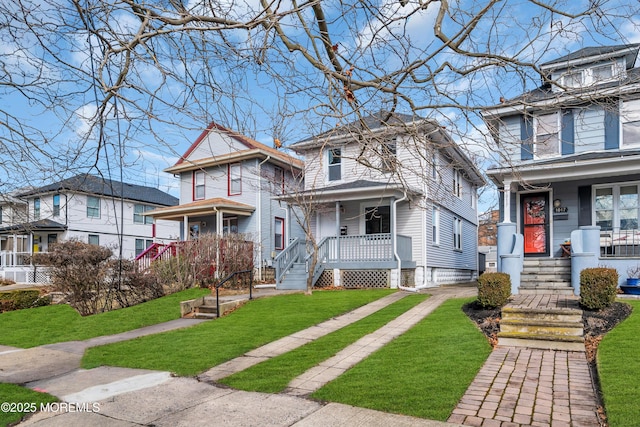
(557, 203)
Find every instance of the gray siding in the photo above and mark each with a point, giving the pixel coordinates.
(444, 255)
(589, 129)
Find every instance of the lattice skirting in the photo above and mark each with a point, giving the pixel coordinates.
(40, 275)
(325, 280)
(365, 278)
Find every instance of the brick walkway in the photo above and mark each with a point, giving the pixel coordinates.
(545, 301)
(530, 387)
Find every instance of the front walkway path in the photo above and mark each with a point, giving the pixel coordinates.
(335, 366)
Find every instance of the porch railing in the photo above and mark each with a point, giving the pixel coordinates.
(619, 243)
(295, 252)
(368, 247)
(15, 259)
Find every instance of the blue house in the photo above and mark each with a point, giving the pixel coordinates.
(569, 178)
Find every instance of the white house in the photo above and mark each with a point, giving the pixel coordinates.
(227, 184)
(393, 201)
(86, 207)
(570, 180)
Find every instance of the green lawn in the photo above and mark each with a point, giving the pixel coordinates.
(191, 351)
(422, 373)
(56, 323)
(273, 375)
(619, 371)
(21, 401)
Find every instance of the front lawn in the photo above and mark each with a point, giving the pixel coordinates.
(193, 350)
(423, 373)
(619, 370)
(275, 374)
(19, 401)
(56, 323)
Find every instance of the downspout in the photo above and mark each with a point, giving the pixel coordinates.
(259, 215)
(395, 243)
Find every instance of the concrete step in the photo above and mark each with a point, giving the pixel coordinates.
(542, 290)
(551, 315)
(547, 262)
(540, 342)
(545, 328)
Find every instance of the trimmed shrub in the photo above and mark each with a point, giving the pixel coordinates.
(21, 299)
(598, 287)
(494, 289)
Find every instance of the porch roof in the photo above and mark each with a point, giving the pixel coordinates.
(202, 207)
(27, 227)
(356, 190)
(595, 164)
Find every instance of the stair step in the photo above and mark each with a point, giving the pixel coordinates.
(206, 309)
(541, 327)
(201, 315)
(541, 342)
(542, 290)
(549, 315)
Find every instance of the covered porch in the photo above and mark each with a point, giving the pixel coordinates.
(547, 206)
(355, 228)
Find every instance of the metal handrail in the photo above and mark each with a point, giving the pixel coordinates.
(229, 277)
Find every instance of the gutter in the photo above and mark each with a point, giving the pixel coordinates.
(259, 214)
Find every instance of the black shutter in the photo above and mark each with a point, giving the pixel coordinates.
(584, 205)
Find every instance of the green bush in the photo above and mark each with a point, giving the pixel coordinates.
(494, 289)
(598, 287)
(18, 300)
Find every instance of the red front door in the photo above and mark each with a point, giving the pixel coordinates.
(535, 224)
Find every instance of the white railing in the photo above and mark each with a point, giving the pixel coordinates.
(14, 259)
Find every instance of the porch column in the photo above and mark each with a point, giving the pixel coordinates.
(185, 227)
(506, 207)
(338, 230)
(219, 222)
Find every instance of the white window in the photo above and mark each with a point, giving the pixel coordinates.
(457, 234)
(93, 239)
(630, 117)
(56, 205)
(142, 245)
(388, 156)
(602, 73)
(573, 79)
(457, 183)
(278, 180)
(616, 206)
(93, 207)
(435, 224)
(235, 179)
(230, 225)
(279, 234)
(36, 208)
(335, 164)
(547, 138)
(198, 185)
(138, 217)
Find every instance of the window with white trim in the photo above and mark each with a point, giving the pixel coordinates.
(93, 207)
(616, 206)
(457, 234)
(138, 217)
(457, 183)
(547, 135)
(198, 185)
(334, 162)
(435, 225)
(377, 219)
(630, 118)
(235, 179)
(279, 233)
(36, 208)
(142, 245)
(56, 205)
(388, 156)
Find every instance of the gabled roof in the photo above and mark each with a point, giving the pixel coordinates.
(254, 149)
(394, 124)
(594, 53)
(90, 184)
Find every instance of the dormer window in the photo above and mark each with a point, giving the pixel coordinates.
(572, 79)
(583, 77)
(602, 73)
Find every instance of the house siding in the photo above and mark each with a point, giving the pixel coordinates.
(444, 255)
(409, 223)
(589, 130)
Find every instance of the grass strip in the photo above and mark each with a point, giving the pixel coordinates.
(193, 350)
(273, 375)
(57, 323)
(619, 370)
(423, 373)
(19, 401)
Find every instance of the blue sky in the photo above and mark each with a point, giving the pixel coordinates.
(169, 97)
